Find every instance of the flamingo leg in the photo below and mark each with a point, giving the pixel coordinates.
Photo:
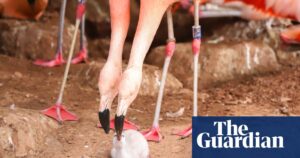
(153, 134)
(58, 111)
(196, 50)
(82, 55)
(58, 60)
(151, 13)
(111, 72)
(291, 35)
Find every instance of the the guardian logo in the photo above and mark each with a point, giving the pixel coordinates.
(232, 136)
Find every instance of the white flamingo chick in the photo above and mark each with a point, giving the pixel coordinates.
(132, 144)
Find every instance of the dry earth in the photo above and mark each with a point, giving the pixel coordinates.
(25, 88)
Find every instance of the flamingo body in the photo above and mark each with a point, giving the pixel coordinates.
(283, 8)
(23, 9)
(132, 144)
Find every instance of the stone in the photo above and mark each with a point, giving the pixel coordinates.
(218, 62)
(23, 132)
(32, 40)
(99, 48)
(150, 83)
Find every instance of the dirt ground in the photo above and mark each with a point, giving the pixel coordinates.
(31, 87)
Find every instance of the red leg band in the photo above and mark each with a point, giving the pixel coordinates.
(196, 46)
(80, 10)
(170, 48)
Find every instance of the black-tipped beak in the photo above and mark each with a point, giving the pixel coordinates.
(119, 123)
(104, 120)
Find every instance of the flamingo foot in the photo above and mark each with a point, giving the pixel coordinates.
(127, 125)
(185, 133)
(59, 113)
(81, 57)
(289, 40)
(291, 35)
(58, 61)
(153, 134)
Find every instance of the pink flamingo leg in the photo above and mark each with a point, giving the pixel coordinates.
(58, 60)
(82, 55)
(153, 134)
(151, 13)
(196, 50)
(291, 35)
(57, 111)
(112, 71)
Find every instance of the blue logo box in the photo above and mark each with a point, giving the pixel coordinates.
(246, 137)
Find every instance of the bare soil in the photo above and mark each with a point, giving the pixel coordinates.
(31, 87)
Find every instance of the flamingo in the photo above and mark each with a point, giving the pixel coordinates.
(153, 134)
(33, 9)
(58, 60)
(291, 35)
(277, 9)
(112, 80)
(132, 144)
(23, 9)
(256, 10)
(246, 10)
(58, 111)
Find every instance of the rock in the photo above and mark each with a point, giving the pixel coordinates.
(289, 56)
(182, 28)
(175, 114)
(97, 15)
(32, 40)
(150, 82)
(218, 62)
(53, 5)
(242, 30)
(98, 19)
(18, 74)
(99, 48)
(236, 31)
(23, 132)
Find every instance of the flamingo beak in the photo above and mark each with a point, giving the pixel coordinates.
(104, 120)
(119, 124)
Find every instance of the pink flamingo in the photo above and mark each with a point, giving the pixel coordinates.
(283, 9)
(58, 60)
(153, 134)
(113, 82)
(256, 10)
(23, 9)
(263, 9)
(58, 111)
